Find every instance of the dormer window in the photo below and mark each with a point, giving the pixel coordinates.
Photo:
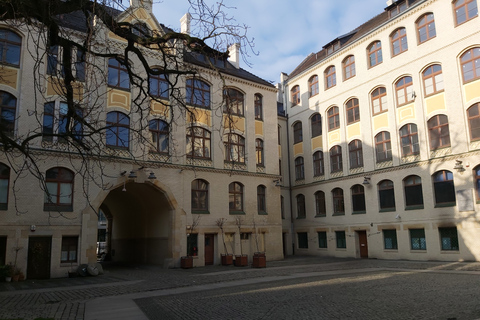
(399, 7)
(332, 47)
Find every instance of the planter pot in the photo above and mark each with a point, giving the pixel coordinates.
(259, 260)
(15, 277)
(227, 259)
(186, 262)
(21, 277)
(241, 260)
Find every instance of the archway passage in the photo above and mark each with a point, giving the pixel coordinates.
(139, 224)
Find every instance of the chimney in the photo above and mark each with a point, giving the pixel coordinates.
(234, 54)
(145, 4)
(185, 23)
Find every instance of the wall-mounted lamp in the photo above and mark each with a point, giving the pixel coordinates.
(414, 95)
(458, 166)
(277, 182)
(123, 173)
(151, 176)
(33, 228)
(132, 175)
(398, 217)
(366, 180)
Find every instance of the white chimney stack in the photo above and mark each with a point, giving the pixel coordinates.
(234, 54)
(185, 23)
(389, 3)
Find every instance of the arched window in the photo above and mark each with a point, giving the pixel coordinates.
(299, 169)
(318, 166)
(379, 100)
(404, 91)
(10, 45)
(470, 61)
(8, 107)
(320, 207)
(295, 94)
(383, 146)
(118, 74)
(330, 77)
(198, 93)
(259, 152)
(464, 10)
(439, 132)
(313, 86)
(355, 154)
(336, 164)
(4, 183)
(433, 79)
(158, 85)
(412, 186)
(118, 130)
(409, 140)
(234, 102)
(198, 143)
(353, 111)
(386, 195)
(333, 118)
(358, 199)
(375, 56)
(474, 121)
(476, 174)
(297, 132)
(235, 197)
(261, 199)
(234, 148)
(426, 27)
(59, 190)
(348, 67)
(141, 29)
(159, 131)
(301, 212)
(258, 107)
(316, 122)
(200, 196)
(444, 188)
(338, 202)
(399, 41)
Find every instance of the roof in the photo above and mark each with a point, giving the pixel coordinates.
(345, 40)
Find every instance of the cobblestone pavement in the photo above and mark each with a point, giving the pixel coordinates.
(302, 287)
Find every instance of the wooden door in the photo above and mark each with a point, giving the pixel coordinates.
(362, 240)
(39, 256)
(209, 248)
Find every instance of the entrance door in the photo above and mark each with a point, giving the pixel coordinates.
(362, 240)
(209, 248)
(39, 254)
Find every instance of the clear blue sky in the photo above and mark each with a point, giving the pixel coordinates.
(285, 32)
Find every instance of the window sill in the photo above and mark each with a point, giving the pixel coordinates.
(237, 212)
(457, 251)
(58, 208)
(359, 212)
(301, 218)
(387, 210)
(391, 250)
(338, 214)
(320, 216)
(197, 106)
(434, 93)
(4, 206)
(68, 264)
(444, 205)
(119, 88)
(419, 207)
(262, 213)
(379, 113)
(418, 250)
(459, 24)
(370, 66)
(341, 249)
(201, 212)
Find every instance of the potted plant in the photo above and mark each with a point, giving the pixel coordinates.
(186, 262)
(259, 259)
(16, 274)
(6, 272)
(227, 258)
(242, 259)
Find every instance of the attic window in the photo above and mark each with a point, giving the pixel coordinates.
(333, 47)
(141, 29)
(399, 7)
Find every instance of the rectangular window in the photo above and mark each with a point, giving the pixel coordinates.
(449, 238)
(341, 240)
(69, 249)
(390, 239)
(417, 239)
(192, 244)
(322, 239)
(302, 240)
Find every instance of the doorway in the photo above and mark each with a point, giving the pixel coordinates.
(209, 248)
(363, 245)
(39, 257)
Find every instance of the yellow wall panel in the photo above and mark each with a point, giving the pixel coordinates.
(333, 137)
(159, 108)
(406, 112)
(197, 115)
(259, 127)
(380, 121)
(472, 90)
(279, 151)
(118, 98)
(317, 142)
(353, 130)
(436, 102)
(298, 148)
(236, 123)
(9, 77)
